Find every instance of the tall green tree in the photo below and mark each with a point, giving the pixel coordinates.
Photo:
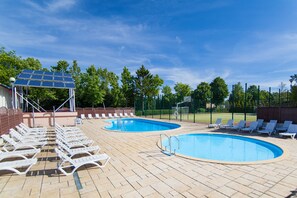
(147, 84)
(202, 95)
(168, 96)
(219, 91)
(182, 90)
(236, 98)
(127, 87)
(62, 66)
(92, 94)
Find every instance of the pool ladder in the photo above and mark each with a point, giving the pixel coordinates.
(169, 138)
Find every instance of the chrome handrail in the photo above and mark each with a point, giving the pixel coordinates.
(178, 145)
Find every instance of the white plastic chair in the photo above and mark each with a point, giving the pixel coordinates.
(253, 126)
(90, 116)
(19, 153)
(269, 129)
(82, 116)
(126, 115)
(32, 134)
(26, 138)
(291, 132)
(110, 115)
(97, 116)
(131, 114)
(78, 162)
(239, 126)
(19, 145)
(216, 124)
(285, 126)
(115, 115)
(121, 115)
(82, 150)
(103, 116)
(14, 165)
(228, 125)
(75, 143)
(31, 130)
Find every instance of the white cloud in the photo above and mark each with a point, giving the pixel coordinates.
(52, 6)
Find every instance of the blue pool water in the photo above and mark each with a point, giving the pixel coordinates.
(139, 125)
(226, 148)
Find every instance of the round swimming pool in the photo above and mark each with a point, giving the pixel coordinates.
(139, 125)
(223, 148)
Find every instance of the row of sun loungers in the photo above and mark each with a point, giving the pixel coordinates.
(286, 129)
(74, 149)
(72, 142)
(103, 116)
(24, 143)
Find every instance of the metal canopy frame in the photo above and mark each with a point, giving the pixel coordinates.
(42, 79)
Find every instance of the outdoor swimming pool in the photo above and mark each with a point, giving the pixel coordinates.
(139, 125)
(223, 148)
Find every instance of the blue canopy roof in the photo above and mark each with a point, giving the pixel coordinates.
(35, 78)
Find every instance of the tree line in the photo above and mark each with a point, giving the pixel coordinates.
(98, 87)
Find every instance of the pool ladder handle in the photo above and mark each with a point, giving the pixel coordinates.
(170, 144)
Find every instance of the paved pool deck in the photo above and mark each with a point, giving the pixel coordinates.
(138, 169)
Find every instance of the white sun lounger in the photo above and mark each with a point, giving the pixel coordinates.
(110, 115)
(285, 126)
(14, 165)
(121, 115)
(82, 150)
(67, 129)
(228, 125)
(90, 116)
(260, 123)
(74, 138)
(19, 145)
(103, 116)
(126, 115)
(115, 115)
(25, 139)
(269, 129)
(291, 132)
(253, 126)
(216, 124)
(131, 114)
(97, 116)
(22, 125)
(71, 143)
(239, 126)
(33, 134)
(19, 153)
(78, 162)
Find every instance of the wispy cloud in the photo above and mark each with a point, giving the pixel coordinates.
(52, 6)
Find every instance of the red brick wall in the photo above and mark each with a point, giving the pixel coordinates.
(9, 118)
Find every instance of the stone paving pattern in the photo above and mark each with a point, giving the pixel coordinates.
(138, 169)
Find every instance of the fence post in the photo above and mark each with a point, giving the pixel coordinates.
(258, 98)
(245, 88)
(180, 114)
(279, 98)
(169, 113)
(233, 102)
(269, 96)
(194, 116)
(211, 108)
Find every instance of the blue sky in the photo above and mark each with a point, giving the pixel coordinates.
(187, 41)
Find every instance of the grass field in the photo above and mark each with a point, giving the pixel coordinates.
(205, 117)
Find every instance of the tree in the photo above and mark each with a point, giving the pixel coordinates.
(92, 94)
(236, 98)
(202, 94)
(127, 87)
(182, 90)
(147, 85)
(219, 91)
(168, 96)
(62, 66)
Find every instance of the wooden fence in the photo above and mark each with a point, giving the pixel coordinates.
(9, 118)
(277, 113)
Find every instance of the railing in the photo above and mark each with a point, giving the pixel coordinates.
(169, 138)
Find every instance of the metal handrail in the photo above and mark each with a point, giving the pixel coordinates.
(161, 142)
(178, 145)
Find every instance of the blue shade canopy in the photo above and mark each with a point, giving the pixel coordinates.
(34, 78)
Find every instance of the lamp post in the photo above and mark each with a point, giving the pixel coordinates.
(13, 97)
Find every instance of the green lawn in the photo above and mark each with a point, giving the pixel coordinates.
(205, 117)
